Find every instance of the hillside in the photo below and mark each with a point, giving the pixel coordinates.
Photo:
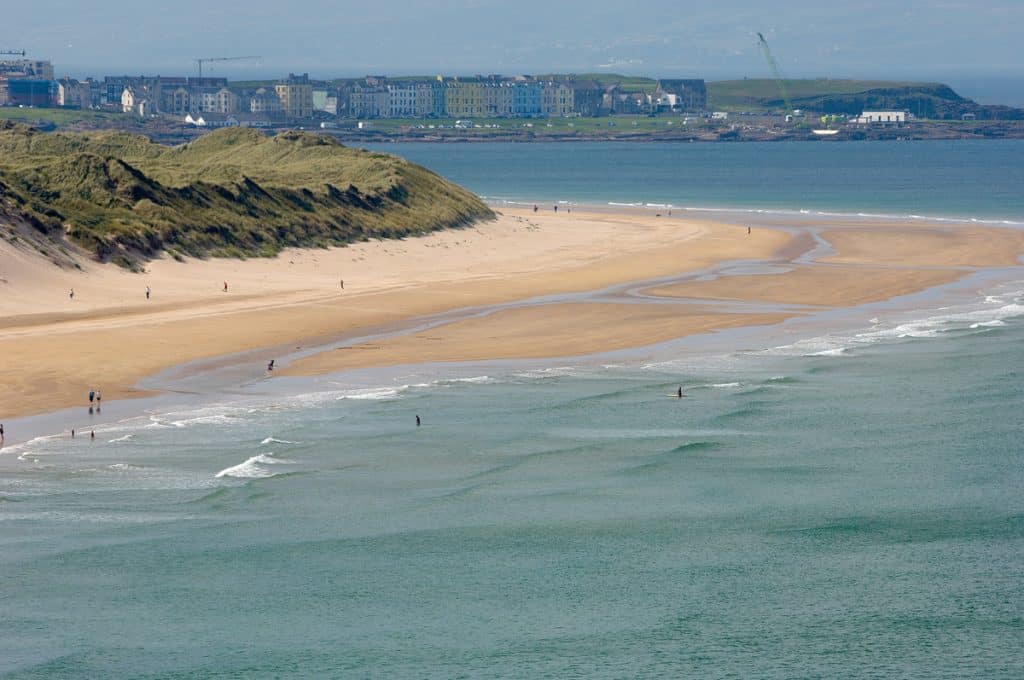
(925, 100)
(231, 193)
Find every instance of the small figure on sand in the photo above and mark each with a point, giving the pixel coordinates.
(342, 283)
(92, 395)
(417, 421)
(225, 286)
(270, 365)
(147, 292)
(71, 294)
(748, 230)
(99, 397)
(1, 433)
(556, 208)
(535, 207)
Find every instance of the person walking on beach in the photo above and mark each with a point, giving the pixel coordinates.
(92, 395)
(342, 282)
(92, 435)
(270, 366)
(556, 208)
(71, 294)
(225, 286)
(147, 292)
(99, 397)
(748, 231)
(534, 207)
(72, 433)
(1, 433)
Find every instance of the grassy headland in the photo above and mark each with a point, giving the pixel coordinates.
(231, 193)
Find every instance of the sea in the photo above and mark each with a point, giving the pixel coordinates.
(837, 496)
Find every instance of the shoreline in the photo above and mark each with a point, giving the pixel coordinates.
(591, 294)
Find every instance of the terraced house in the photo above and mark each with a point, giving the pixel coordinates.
(296, 95)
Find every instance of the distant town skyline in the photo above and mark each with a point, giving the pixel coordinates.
(949, 40)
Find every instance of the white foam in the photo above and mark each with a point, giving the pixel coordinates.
(374, 394)
(478, 380)
(989, 324)
(837, 352)
(217, 419)
(271, 440)
(125, 438)
(254, 468)
(124, 467)
(722, 386)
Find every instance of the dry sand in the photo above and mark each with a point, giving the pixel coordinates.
(109, 336)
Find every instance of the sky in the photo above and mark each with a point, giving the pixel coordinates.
(948, 40)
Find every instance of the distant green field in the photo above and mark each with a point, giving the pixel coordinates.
(58, 116)
(738, 95)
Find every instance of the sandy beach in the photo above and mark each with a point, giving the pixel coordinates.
(109, 335)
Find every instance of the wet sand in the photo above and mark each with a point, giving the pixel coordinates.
(109, 336)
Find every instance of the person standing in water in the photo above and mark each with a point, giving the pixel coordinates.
(417, 421)
(679, 392)
(99, 397)
(1, 433)
(92, 395)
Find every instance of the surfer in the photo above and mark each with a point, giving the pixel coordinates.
(679, 392)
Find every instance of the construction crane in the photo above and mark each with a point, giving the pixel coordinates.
(20, 53)
(763, 44)
(207, 60)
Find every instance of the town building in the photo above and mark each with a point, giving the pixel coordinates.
(296, 95)
(556, 99)
(370, 98)
(74, 94)
(885, 118)
(264, 101)
(684, 94)
(526, 98)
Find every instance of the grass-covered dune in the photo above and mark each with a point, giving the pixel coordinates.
(230, 193)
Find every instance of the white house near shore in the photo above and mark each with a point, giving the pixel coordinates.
(881, 118)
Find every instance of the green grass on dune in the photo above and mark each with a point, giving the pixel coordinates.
(233, 193)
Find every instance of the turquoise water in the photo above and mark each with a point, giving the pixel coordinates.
(840, 498)
(965, 179)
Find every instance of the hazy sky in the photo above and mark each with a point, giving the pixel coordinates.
(933, 39)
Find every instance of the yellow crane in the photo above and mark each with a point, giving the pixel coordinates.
(207, 60)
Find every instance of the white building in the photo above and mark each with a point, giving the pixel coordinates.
(881, 118)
